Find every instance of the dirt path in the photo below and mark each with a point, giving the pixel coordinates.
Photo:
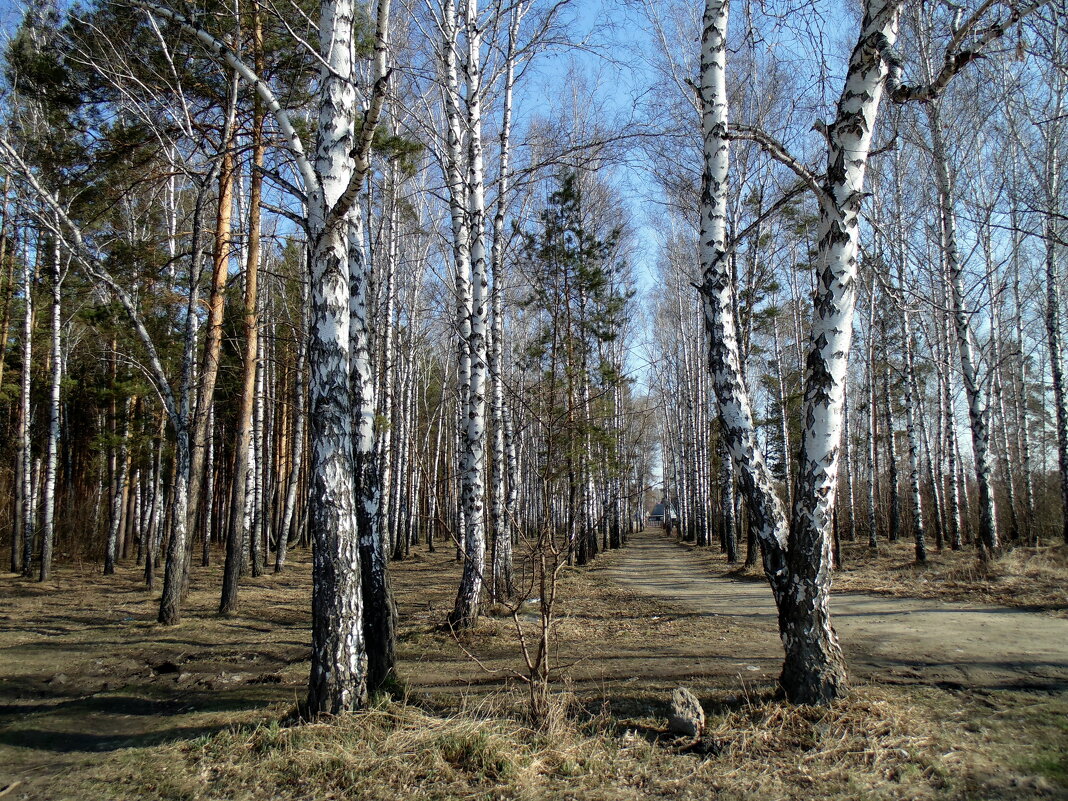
(890, 639)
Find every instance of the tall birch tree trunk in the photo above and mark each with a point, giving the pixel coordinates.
(502, 585)
(977, 412)
(1054, 336)
(48, 527)
(800, 577)
(299, 416)
(911, 396)
(873, 428)
(387, 405)
(814, 670)
(122, 464)
(380, 612)
(891, 452)
(22, 544)
(466, 609)
(333, 181)
(338, 680)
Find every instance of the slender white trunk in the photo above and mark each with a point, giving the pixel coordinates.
(380, 615)
(24, 526)
(977, 411)
(502, 585)
(997, 388)
(1054, 335)
(119, 490)
(299, 416)
(257, 457)
(180, 410)
(48, 528)
(465, 610)
(155, 505)
(911, 396)
(848, 466)
(948, 425)
(387, 406)
(208, 492)
(873, 429)
(784, 413)
(1020, 376)
(461, 243)
(891, 451)
(766, 514)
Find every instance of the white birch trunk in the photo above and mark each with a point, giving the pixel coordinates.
(380, 614)
(386, 401)
(502, 585)
(766, 514)
(988, 542)
(891, 450)
(299, 416)
(1020, 375)
(122, 464)
(48, 527)
(911, 396)
(257, 459)
(338, 680)
(461, 243)
(465, 610)
(24, 526)
(1054, 280)
(814, 670)
(208, 492)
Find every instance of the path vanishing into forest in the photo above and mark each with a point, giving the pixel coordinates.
(886, 639)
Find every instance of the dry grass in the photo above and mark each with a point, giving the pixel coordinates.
(876, 745)
(1023, 577)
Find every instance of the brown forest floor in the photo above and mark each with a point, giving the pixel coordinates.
(97, 701)
(1025, 577)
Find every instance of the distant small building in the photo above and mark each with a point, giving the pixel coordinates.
(658, 514)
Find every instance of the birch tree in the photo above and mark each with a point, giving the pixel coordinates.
(798, 561)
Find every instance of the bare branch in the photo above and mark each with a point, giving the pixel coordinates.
(770, 145)
(957, 57)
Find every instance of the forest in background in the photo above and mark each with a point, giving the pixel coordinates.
(426, 328)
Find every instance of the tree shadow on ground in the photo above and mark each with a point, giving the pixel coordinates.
(65, 742)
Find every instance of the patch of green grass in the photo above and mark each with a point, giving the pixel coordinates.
(1053, 765)
(475, 752)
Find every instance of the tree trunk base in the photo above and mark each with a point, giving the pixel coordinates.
(814, 684)
(169, 616)
(459, 621)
